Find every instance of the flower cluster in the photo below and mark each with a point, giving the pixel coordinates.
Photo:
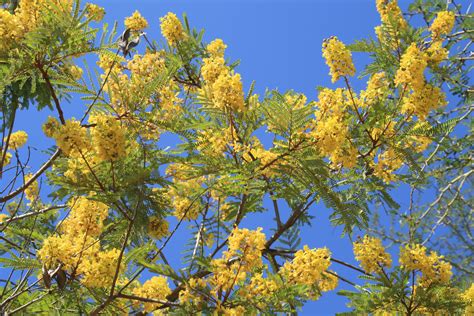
(108, 137)
(338, 58)
(158, 227)
(390, 13)
(17, 140)
(442, 24)
(468, 297)
(27, 17)
(32, 191)
(77, 248)
(95, 12)
(412, 67)
(71, 138)
(371, 254)
(248, 246)
(377, 88)
(309, 267)
(224, 87)
(172, 29)
(156, 288)
(432, 267)
(136, 22)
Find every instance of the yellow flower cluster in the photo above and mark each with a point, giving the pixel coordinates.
(158, 227)
(412, 67)
(309, 267)
(371, 254)
(77, 247)
(338, 58)
(331, 129)
(259, 290)
(212, 142)
(224, 87)
(71, 138)
(136, 22)
(172, 29)
(436, 53)
(108, 137)
(99, 270)
(86, 217)
(216, 48)
(388, 162)
(95, 12)
(248, 246)
(27, 16)
(3, 217)
(17, 140)
(377, 88)
(228, 93)
(433, 268)
(156, 288)
(146, 67)
(8, 157)
(75, 72)
(442, 24)
(181, 198)
(423, 97)
(32, 191)
(468, 297)
(390, 13)
(421, 101)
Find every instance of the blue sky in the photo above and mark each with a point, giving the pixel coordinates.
(279, 46)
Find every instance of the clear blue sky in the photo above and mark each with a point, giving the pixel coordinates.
(279, 46)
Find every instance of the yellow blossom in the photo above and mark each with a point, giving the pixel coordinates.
(248, 245)
(433, 268)
(156, 288)
(32, 191)
(17, 140)
(3, 217)
(307, 267)
(468, 297)
(216, 48)
(228, 93)
(388, 162)
(108, 137)
(412, 67)
(95, 12)
(136, 22)
(72, 138)
(86, 217)
(212, 68)
(99, 270)
(75, 72)
(338, 58)
(158, 227)
(422, 100)
(171, 29)
(442, 24)
(390, 13)
(436, 53)
(377, 87)
(371, 254)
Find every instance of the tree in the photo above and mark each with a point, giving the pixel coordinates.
(87, 232)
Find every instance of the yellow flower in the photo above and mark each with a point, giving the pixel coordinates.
(436, 53)
(75, 72)
(51, 126)
(171, 29)
(108, 137)
(86, 217)
(156, 288)
(307, 267)
(371, 254)
(99, 270)
(95, 12)
(212, 68)
(468, 297)
(227, 92)
(158, 227)
(433, 268)
(248, 245)
(72, 139)
(216, 48)
(31, 192)
(2, 218)
(136, 22)
(412, 67)
(17, 140)
(388, 162)
(442, 24)
(377, 87)
(390, 13)
(338, 58)
(422, 100)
